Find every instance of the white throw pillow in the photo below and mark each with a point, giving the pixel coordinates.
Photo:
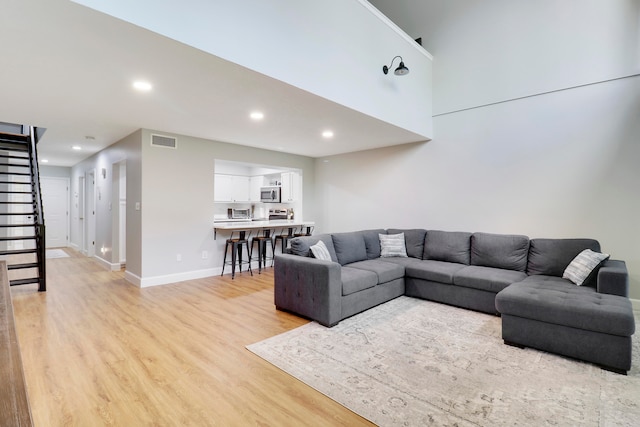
(320, 251)
(582, 265)
(392, 245)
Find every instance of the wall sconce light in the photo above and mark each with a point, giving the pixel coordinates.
(400, 71)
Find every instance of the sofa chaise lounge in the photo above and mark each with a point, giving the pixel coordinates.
(508, 275)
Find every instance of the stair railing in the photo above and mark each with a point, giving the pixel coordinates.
(39, 225)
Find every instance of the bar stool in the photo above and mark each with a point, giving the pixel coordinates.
(236, 248)
(308, 232)
(267, 237)
(284, 238)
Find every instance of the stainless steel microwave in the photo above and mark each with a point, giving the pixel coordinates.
(270, 194)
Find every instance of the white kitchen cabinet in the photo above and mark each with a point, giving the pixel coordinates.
(230, 188)
(222, 187)
(240, 188)
(291, 184)
(255, 183)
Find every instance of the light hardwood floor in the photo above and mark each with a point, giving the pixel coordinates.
(100, 351)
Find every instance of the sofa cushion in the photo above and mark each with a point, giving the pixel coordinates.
(487, 278)
(301, 245)
(435, 271)
(349, 247)
(402, 261)
(507, 251)
(558, 301)
(550, 257)
(386, 271)
(450, 246)
(392, 245)
(414, 240)
(372, 242)
(356, 279)
(583, 266)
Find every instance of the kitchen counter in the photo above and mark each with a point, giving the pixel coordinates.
(256, 225)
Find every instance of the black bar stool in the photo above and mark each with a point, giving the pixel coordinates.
(267, 237)
(284, 238)
(236, 248)
(307, 232)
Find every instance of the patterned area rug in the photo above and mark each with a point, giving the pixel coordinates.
(411, 362)
(56, 253)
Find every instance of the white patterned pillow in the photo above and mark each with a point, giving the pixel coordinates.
(320, 251)
(392, 245)
(582, 265)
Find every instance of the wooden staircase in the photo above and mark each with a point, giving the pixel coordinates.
(22, 227)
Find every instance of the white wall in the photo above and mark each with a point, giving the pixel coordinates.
(332, 48)
(178, 209)
(496, 50)
(562, 164)
(175, 191)
(54, 171)
(128, 149)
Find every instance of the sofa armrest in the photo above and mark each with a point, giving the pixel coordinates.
(613, 278)
(309, 287)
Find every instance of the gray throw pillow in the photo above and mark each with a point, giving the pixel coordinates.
(392, 245)
(582, 266)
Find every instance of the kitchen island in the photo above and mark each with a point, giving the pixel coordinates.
(258, 225)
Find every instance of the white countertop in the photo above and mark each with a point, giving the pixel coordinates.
(250, 225)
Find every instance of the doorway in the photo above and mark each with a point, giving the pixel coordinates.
(55, 200)
(119, 212)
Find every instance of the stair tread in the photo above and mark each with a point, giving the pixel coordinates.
(19, 252)
(27, 281)
(10, 239)
(22, 266)
(15, 173)
(17, 213)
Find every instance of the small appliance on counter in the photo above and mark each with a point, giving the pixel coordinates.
(278, 214)
(233, 215)
(270, 194)
(239, 213)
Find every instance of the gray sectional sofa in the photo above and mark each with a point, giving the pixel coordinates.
(509, 275)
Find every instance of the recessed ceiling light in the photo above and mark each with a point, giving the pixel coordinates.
(44, 160)
(327, 134)
(142, 86)
(257, 115)
(76, 147)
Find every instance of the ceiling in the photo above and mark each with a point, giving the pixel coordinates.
(70, 69)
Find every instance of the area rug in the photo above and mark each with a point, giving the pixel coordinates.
(411, 362)
(56, 253)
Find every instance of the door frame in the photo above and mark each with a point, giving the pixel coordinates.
(89, 247)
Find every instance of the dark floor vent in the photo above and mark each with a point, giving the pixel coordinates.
(163, 141)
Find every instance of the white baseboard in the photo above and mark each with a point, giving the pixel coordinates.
(108, 265)
(636, 304)
(74, 247)
(145, 282)
(132, 278)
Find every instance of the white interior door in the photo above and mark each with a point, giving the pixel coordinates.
(55, 202)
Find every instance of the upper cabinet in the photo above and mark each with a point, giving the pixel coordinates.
(230, 188)
(255, 183)
(290, 187)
